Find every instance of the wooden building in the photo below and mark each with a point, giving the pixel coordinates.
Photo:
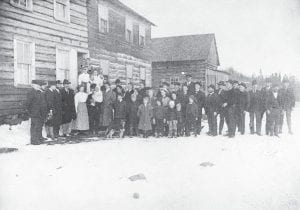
(119, 41)
(174, 57)
(38, 40)
(52, 39)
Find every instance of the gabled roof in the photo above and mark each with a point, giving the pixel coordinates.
(183, 48)
(129, 10)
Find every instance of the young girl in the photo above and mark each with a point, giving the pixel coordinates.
(118, 123)
(180, 120)
(191, 116)
(158, 119)
(82, 120)
(172, 120)
(133, 120)
(145, 114)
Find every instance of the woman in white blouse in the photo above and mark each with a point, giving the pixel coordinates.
(82, 120)
(84, 79)
(97, 79)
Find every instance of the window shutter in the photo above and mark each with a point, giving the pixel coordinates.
(142, 73)
(32, 52)
(104, 66)
(16, 72)
(73, 67)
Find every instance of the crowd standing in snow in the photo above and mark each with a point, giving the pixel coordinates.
(175, 110)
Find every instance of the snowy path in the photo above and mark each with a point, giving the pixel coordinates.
(249, 172)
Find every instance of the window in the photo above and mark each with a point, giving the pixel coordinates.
(103, 26)
(142, 32)
(62, 64)
(24, 4)
(62, 10)
(173, 80)
(129, 73)
(104, 66)
(129, 29)
(128, 35)
(142, 41)
(24, 62)
(103, 18)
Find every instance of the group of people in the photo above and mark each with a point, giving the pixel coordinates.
(174, 110)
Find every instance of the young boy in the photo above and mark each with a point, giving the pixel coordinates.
(172, 120)
(158, 119)
(145, 114)
(119, 117)
(180, 122)
(191, 116)
(132, 109)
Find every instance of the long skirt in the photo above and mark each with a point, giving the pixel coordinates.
(82, 120)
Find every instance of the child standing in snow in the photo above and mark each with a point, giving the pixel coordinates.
(172, 120)
(158, 119)
(191, 116)
(145, 114)
(180, 122)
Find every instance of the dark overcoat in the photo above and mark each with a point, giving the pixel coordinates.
(145, 114)
(255, 101)
(36, 104)
(68, 105)
(288, 98)
(132, 110)
(109, 98)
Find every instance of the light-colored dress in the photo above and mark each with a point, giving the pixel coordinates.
(82, 120)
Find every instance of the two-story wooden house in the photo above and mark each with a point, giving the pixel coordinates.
(119, 41)
(39, 39)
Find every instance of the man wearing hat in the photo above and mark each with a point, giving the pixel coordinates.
(212, 107)
(68, 107)
(265, 92)
(200, 100)
(242, 107)
(230, 105)
(51, 109)
(222, 99)
(288, 105)
(37, 109)
(255, 109)
(274, 107)
(190, 84)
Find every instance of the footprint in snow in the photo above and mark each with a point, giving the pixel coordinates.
(207, 164)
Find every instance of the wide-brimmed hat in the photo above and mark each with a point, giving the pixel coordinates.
(66, 82)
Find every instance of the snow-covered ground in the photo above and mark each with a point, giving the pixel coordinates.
(245, 173)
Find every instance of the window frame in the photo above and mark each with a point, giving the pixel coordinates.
(68, 15)
(104, 63)
(32, 70)
(103, 15)
(28, 8)
(128, 28)
(128, 36)
(57, 68)
(174, 79)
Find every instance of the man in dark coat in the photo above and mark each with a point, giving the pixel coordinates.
(212, 107)
(200, 100)
(255, 109)
(58, 108)
(51, 109)
(37, 109)
(222, 110)
(93, 111)
(191, 116)
(68, 107)
(242, 106)
(230, 105)
(288, 104)
(190, 84)
(264, 95)
(132, 107)
(274, 107)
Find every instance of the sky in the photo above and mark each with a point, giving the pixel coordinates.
(250, 34)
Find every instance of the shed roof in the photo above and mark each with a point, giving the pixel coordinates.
(180, 48)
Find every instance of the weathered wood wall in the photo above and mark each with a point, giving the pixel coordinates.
(113, 46)
(166, 70)
(39, 26)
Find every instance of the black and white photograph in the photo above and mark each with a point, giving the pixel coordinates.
(149, 104)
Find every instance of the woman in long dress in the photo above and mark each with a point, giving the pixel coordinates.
(82, 120)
